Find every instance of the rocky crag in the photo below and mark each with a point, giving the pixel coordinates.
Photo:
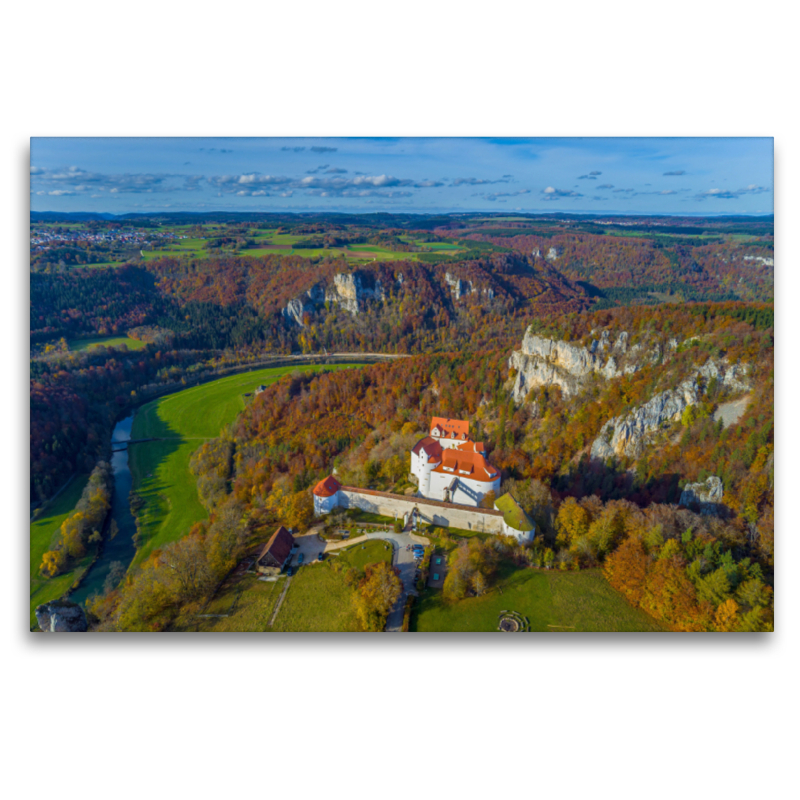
(61, 616)
(628, 435)
(705, 495)
(349, 290)
(548, 362)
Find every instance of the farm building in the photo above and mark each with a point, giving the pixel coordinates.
(275, 553)
(260, 389)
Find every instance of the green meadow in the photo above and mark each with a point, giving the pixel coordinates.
(552, 601)
(77, 345)
(42, 530)
(183, 420)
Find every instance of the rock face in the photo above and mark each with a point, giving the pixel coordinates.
(628, 435)
(351, 290)
(552, 254)
(61, 616)
(348, 290)
(706, 495)
(458, 287)
(307, 303)
(547, 362)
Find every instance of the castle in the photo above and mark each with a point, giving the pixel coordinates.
(450, 467)
(453, 476)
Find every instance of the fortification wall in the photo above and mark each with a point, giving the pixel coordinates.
(445, 515)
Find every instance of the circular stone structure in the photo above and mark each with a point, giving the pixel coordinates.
(512, 622)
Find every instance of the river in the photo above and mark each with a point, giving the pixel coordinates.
(121, 547)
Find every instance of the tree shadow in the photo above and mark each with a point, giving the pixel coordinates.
(609, 481)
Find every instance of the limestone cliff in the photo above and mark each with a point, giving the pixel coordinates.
(628, 435)
(61, 616)
(705, 494)
(307, 303)
(460, 287)
(547, 362)
(350, 290)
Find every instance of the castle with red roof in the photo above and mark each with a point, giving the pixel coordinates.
(451, 467)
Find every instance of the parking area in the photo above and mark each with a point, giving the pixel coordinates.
(310, 546)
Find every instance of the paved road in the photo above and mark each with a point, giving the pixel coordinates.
(404, 560)
(310, 545)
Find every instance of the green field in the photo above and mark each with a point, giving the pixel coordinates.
(359, 555)
(77, 345)
(551, 600)
(42, 530)
(318, 600)
(247, 605)
(160, 469)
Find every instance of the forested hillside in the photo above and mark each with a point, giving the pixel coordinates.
(609, 368)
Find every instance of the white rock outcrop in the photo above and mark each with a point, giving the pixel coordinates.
(704, 494)
(307, 303)
(350, 290)
(628, 435)
(548, 362)
(61, 616)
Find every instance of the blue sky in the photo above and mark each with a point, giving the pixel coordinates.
(612, 175)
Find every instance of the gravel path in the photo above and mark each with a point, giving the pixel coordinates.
(730, 413)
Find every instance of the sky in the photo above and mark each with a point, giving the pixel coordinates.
(681, 176)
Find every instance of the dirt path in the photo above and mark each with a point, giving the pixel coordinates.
(279, 603)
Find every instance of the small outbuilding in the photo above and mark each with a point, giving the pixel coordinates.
(276, 553)
(260, 389)
(516, 522)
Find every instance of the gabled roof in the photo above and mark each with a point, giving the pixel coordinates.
(467, 464)
(513, 515)
(327, 487)
(451, 428)
(430, 446)
(279, 546)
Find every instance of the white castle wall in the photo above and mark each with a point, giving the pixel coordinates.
(443, 515)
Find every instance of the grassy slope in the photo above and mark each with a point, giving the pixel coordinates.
(42, 530)
(248, 603)
(318, 600)
(76, 345)
(552, 601)
(161, 469)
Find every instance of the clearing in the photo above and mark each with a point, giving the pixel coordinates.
(551, 600)
(77, 345)
(160, 469)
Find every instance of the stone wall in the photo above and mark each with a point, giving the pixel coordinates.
(433, 512)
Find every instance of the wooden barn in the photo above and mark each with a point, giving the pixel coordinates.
(275, 553)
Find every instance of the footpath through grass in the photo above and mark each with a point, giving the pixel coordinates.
(42, 531)
(552, 601)
(160, 469)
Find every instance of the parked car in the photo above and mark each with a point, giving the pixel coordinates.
(320, 555)
(300, 559)
(290, 571)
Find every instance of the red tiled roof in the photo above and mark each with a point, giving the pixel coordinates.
(278, 547)
(327, 487)
(462, 463)
(430, 446)
(451, 428)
